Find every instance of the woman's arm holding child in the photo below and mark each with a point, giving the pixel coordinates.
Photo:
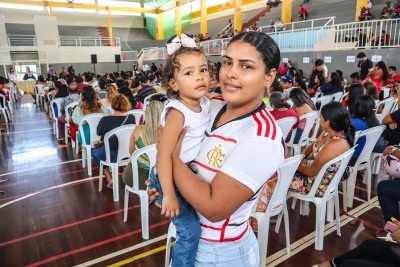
(173, 127)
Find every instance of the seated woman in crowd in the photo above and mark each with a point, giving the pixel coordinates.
(281, 109)
(303, 105)
(333, 86)
(337, 137)
(370, 90)
(319, 80)
(120, 105)
(142, 136)
(355, 90)
(112, 91)
(127, 92)
(300, 83)
(89, 104)
(378, 75)
(61, 93)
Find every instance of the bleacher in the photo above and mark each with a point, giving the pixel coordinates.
(66, 30)
(134, 39)
(20, 29)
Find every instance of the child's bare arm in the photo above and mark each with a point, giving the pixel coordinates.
(173, 127)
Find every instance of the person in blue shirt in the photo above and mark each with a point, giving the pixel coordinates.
(334, 85)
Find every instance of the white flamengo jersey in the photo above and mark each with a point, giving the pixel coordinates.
(249, 149)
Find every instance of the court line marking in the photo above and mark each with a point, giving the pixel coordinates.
(65, 226)
(35, 130)
(308, 240)
(45, 166)
(123, 251)
(94, 245)
(15, 123)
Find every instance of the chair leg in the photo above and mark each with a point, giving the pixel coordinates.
(171, 234)
(100, 175)
(262, 235)
(376, 162)
(344, 190)
(83, 157)
(330, 210)
(368, 177)
(77, 147)
(144, 212)
(304, 208)
(319, 225)
(287, 229)
(278, 222)
(126, 200)
(89, 161)
(337, 213)
(294, 203)
(351, 186)
(114, 169)
(66, 134)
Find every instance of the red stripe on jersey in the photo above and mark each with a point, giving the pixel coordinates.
(267, 123)
(236, 238)
(223, 138)
(217, 98)
(211, 227)
(222, 236)
(259, 129)
(206, 167)
(271, 124)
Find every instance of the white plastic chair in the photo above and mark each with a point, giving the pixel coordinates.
(337, 96)
(315, 131)
(151, 152)
(171, 234)
(146, 101)
(343, 97)
(388, 104)
(310, 118)
(92, 120)
(67, 109)
(39, 89)
(55, 104)
(395, 105)
(276, 206)
(3, 106)
(137, 113)
(123, 134)
(362, 163)
(286, 125)
(323, 100)
(331, 194)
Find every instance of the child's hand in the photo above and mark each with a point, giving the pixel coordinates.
(170, 206)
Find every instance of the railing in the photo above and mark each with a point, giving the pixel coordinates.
(153, 53)
(215, 47)
(88, 41)
(21, 40)
(301, 24)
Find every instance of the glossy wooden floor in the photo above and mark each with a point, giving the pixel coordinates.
(53, 215)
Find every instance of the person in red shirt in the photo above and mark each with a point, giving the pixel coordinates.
(303, 13)
(392, 76)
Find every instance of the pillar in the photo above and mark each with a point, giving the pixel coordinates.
(110, 34)
(286, 11)
(178, 21)
(360, 4)
(160, 26)
(203, 17)
(237, 16)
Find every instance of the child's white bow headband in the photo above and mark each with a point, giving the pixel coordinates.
(175, 43)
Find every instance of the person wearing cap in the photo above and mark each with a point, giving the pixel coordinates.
(287, 84)
(145, 90)
(317, 69)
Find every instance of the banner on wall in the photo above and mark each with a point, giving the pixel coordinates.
(306, 60)
(350, 59)
(376, 58)
(327, 59)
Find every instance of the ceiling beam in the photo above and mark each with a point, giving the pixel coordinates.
(80, 6)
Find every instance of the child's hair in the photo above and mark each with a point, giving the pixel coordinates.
(111, 92)
(172, 66)
(120, 103)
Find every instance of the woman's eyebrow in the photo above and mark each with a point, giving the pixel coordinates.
(240, 60)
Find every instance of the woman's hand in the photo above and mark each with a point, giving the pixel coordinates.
(396, 234)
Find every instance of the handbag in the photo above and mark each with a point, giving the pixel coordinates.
(99, 143)
(391, 165)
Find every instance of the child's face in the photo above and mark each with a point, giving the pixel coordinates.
(192, 80)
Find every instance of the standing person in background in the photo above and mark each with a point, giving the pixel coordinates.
(153, 67)
(317, 69)
(51, 72)
(364, 65)
(145, 67)
(71, 71)
(283, 69)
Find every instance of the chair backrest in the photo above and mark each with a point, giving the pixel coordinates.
(337, 96)
(92, 120)
(286, 125)
(344, 159)
(39, 88)
(372, 135)
(146, 101)
(290, 102)
(68, 108)
(315, 131)
(388, 104)
(285, 176)
(323, 100)
(56, 104)
(123, 134)
(395, 105)
(137, 113)
(151, 152)
(310, 118)
(343, 97)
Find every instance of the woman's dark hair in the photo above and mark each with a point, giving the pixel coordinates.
(302, 84)
(300, 97)
(276, 86)
(41, 78)
(278, 100)
(264, 44)
(78, 79)
(385, 73)
(364, 109)
(321, 79)
(371, 90)
(127, 92)
(340, 73)
(339, 119)
(336, 81)
(121, 83)
(62, 91)
(355, 90)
